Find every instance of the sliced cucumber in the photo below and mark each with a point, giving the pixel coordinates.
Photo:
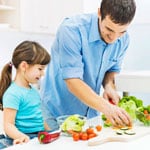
(119, 132)
(129, 132)
(124, 128)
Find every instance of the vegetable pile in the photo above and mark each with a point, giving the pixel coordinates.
(73, 125)
(87, 134)
(143, 115)
(135, 108)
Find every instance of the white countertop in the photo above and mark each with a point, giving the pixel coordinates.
(67, 143)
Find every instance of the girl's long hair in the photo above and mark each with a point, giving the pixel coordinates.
(29, 51)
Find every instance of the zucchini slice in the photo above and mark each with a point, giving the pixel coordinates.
(119, 132)
(124, 128)
(129, 132)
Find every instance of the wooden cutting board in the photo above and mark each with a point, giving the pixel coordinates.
(109, 135)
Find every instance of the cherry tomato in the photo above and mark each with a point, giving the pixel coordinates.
(148, 117)
(145, 111)
(92, 135)
(84, 136)
(89, 130)
(98, 127)
(76, 136)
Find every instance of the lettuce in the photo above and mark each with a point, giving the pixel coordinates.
(73, 122)
(131, 104)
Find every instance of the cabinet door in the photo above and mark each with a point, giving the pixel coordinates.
(44, 16)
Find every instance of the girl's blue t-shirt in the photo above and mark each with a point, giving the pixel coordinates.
(27, 102)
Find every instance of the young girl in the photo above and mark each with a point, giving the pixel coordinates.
(20, 101)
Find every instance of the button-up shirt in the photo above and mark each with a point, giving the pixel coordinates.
(79, 52)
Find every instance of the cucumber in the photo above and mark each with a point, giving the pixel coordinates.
(129, 132)
(119, 132)
(124, 128)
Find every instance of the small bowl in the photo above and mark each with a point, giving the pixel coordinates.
(62, 118)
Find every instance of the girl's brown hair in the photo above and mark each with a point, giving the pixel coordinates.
(29, 51)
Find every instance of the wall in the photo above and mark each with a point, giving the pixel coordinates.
(10, 39)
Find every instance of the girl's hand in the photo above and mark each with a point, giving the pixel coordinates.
(21, 140)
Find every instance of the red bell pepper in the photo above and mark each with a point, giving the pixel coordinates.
(46, 137)
(110, 101)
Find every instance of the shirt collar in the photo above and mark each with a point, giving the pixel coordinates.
(94, 34)
(94, 31)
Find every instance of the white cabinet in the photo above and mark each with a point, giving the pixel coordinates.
(44, 16)
(39, 16)
(9, 14)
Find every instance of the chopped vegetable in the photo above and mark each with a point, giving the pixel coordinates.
(129, 132)
(126, 131)
(125, 128)
(119, 132)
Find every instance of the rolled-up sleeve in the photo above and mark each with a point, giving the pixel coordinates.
(70, 51)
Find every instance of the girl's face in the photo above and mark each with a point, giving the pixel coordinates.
(33, 73)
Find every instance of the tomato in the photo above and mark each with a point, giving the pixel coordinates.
(76, 136)
(92, 135)
(89, 130)
(98, 127)
(145, 111)
(148, 117)
(84, 136)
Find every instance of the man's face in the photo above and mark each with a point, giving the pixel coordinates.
(110, 31)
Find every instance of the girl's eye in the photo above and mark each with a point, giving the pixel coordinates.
(40, 69)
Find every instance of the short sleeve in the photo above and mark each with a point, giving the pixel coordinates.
(11, 100)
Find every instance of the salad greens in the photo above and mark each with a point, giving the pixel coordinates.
(73, 122)
(143, 115)
(130, 104)
(135, 108)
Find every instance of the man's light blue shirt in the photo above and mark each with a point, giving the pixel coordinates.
(79, 52)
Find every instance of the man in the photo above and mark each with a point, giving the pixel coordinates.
(86, 54)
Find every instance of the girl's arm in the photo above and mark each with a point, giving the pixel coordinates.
(10, 128)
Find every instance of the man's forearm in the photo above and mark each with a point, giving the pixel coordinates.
(83, 92)
(109, 80)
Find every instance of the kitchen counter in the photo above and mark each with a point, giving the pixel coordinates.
(67, 143)
(133, 81)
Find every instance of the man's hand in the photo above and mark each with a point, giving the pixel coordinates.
(109, 88)
(111, 94)
(117, 116)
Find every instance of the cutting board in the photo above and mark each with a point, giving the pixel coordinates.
(109, 135)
